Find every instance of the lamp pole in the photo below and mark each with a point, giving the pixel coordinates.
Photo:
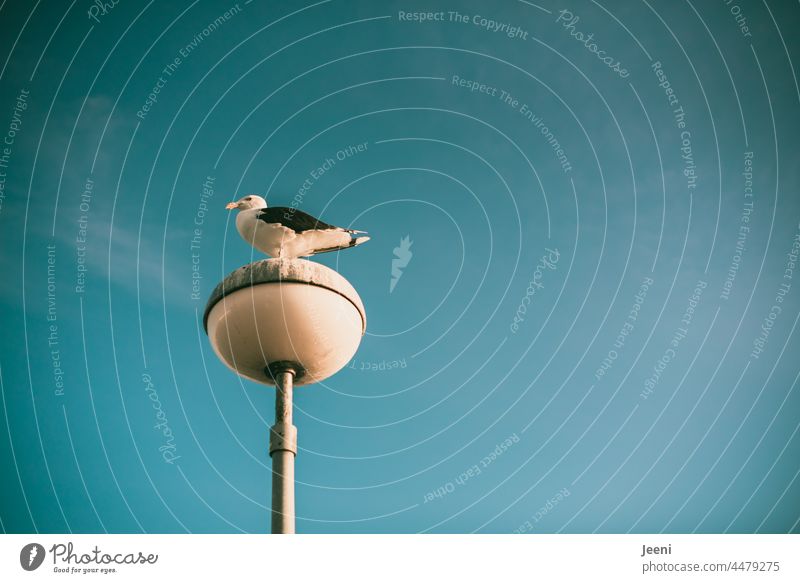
(283, 449)
(285, 313)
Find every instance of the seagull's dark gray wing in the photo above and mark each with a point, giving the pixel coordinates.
(293, 218)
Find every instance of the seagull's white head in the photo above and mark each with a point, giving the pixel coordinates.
(251, 201)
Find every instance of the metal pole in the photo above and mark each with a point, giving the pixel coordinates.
(283, 449)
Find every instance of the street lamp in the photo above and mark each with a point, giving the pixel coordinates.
(287, 323)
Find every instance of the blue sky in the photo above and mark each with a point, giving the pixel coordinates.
(562, 215)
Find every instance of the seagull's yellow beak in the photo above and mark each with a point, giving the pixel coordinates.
(231, 205)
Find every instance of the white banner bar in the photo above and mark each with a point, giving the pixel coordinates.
(424, 558)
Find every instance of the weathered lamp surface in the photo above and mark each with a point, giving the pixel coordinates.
(278, 312)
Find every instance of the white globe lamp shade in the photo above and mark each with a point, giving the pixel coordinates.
(285, 313)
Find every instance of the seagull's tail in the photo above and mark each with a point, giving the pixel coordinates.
(353, 242)
(354, 232)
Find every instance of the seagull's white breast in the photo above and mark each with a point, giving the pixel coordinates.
(266, 237)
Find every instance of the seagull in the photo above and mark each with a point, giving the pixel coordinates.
(287, 232)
